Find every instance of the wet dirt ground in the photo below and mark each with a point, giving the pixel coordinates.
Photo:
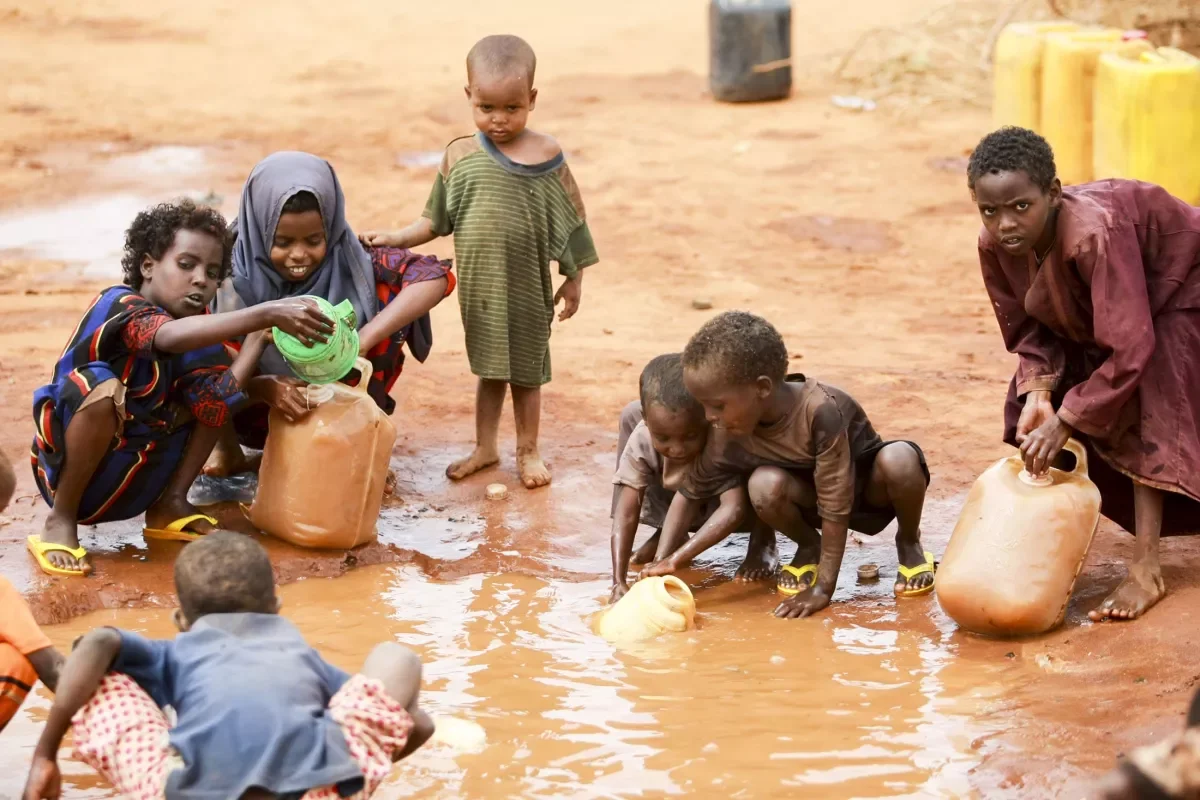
(851, 231)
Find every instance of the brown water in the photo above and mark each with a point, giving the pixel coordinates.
(870, 699)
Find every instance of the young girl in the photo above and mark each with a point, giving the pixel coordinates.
(511, 202)
(813, 459)
(116, 429)
(293, 239)
(1097, 290)
(661, 437)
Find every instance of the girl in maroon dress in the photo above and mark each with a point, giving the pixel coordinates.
(1097, 290)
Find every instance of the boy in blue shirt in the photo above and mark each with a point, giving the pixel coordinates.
(260, 713)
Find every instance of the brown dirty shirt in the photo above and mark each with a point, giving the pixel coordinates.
(824, 433)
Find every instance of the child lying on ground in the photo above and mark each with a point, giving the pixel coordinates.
(142, 368)
(813, 460)
(259, 712)
(26, 655)
(1168, 770)
(660, 438)
(510, 200)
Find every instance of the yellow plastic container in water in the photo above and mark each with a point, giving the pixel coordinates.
(1019, 544)
(1069, 65)
(1148, 120)
(1017, 72)
(651, 607)
(322, 479)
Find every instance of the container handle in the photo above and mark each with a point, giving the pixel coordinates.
(1077, 449)
(365, 370)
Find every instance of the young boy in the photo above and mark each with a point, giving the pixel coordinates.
(259, 713)
(813, 460)
(115, 430)
(660, 438)
(511, 202)
(1167, 770)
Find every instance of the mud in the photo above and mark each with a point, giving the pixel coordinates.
(852, 232)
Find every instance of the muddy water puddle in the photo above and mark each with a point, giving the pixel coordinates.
(868, 700)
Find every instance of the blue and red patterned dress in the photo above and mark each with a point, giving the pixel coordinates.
(115, 341)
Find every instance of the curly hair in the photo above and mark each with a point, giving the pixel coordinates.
(740, 347)
(662, 384)
(501, 56)
(224, 573)
(1013, 150)
(300, 202)
(153, 232)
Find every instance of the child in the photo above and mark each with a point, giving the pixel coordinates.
(142, 368)
(292, 239)
(813, 459)
(1097, 290)
(1167, 770)
(257, 709)
(26, 655)
(511, 202)
(660, 439)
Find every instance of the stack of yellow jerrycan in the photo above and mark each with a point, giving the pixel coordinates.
(1148, 119)
(1018, 72)
(1069, 62)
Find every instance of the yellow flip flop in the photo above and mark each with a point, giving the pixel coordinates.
(799, 572)
(175, 531)
(38, 549)
(908, 573)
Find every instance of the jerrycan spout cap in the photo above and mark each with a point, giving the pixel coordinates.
(1035, 480)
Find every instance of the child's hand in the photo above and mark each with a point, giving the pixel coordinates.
(804, 604)
(571, 293)
(45, 781)
(666, 566)
(381, 239)
(618, 591)
(288, 395)
(301, 318)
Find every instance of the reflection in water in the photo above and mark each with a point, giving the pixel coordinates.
(864, 701)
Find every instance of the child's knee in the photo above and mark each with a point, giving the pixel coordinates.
(768, 488)
(397, 668)
(899, 466)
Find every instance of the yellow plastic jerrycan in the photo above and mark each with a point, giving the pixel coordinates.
(322, 479)
(652, 606)
(1148, 120)
(1017, 72)
(1018, 546)
(1069, 66)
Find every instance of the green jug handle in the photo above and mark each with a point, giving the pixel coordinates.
(345, 312)
(365, 370)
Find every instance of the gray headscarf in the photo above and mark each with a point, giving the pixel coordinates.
(345, 274)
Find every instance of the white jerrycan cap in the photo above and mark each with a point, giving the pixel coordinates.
(1035, 480)
(316, 395)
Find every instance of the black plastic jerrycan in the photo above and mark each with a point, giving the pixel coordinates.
(750, 50)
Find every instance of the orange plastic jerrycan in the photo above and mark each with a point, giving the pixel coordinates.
(651, 607)
(322, 478)
(1018, 546)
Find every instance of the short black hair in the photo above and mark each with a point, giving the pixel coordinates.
(662, 384)
(153, 232)
(1013, 150)
(224, 573)
(740, 347)
(500, 56)
(301, 202)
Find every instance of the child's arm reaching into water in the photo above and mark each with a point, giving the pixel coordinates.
(673, 553)
(415, 235)
(624, 528)
(79, 680)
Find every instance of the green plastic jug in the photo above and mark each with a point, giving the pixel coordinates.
(329, 361)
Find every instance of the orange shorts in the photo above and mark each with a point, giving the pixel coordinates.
(16, 680)
(123, 735)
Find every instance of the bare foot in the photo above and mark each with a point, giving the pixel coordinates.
(532, 469)
(62, 530)
(168, 509)
(762, 560)
(1141, 589)
(646, 553)
(224, 463)
(480, 459)
(911, 554)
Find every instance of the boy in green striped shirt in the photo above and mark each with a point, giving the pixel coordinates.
(511, 202)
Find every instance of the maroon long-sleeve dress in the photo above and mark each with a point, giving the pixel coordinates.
(1110, 323)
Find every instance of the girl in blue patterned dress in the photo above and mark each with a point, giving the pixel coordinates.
(142, 368)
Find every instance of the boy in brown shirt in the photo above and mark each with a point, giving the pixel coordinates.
(660, 439)
(813, 462)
